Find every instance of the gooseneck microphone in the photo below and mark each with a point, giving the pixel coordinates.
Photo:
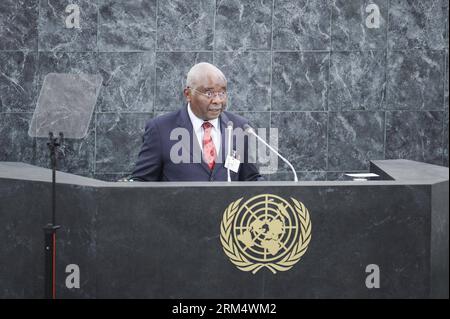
(250, 130)
(230, 137)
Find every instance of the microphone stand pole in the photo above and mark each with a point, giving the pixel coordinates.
(50, 228)
(229, 138)
(251, 131)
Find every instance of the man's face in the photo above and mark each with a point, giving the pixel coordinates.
(202, 106)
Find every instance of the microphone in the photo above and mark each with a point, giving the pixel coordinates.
(230, 136)
(250, 130)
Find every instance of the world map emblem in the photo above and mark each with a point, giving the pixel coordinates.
(265, 231)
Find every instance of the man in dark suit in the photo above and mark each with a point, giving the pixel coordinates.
(204, 120)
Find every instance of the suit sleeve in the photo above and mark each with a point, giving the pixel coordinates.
(149, 164)
(249, 172)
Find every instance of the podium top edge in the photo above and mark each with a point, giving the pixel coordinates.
(403, 172)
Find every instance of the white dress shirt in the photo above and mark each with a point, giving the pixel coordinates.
(200, 132)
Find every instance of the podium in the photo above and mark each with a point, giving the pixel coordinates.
(163, 239)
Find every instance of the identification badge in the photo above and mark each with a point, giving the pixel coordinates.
(232, 163)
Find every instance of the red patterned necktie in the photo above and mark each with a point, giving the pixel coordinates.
(209, 149)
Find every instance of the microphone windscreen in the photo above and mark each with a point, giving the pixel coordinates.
(247, 128)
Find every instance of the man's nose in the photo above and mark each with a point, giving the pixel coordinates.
(216, 99)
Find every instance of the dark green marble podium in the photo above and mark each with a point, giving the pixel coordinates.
(161, 240)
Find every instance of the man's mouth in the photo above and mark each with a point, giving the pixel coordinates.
(215, 108)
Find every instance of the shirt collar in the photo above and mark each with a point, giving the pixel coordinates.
(198, 122)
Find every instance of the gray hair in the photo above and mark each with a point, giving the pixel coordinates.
(200, 69)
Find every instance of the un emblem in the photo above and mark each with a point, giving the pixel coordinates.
(265, 231)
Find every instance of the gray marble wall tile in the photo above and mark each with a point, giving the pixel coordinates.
(302, 176)
(349, 30)
(248, 75)
(18, 24)
(445, 143)
(311, 176)
(171, 72)
(53, 34)
(303, 139)
(113, 177)
(445, 9)
(415, 136)
(185, 25)
(66, 62)
(446, 105)
(415, 80)
(18, 79)
(15, 144)
(243, 25)
(128, 81)
(301, 25)
(417, 24)
(337, 176)
(257, 119)
(78, 155)
(127, 25)
(357, 80)
(119, 140)
(355, 138)
(300, 81)
(446, 63)
(159, 113)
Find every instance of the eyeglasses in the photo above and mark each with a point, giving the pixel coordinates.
(210, 94)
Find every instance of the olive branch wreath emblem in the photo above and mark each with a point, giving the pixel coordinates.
(243, 263)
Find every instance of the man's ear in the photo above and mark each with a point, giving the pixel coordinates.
(187, 94)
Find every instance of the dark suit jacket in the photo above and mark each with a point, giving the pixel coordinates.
(154, 163)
